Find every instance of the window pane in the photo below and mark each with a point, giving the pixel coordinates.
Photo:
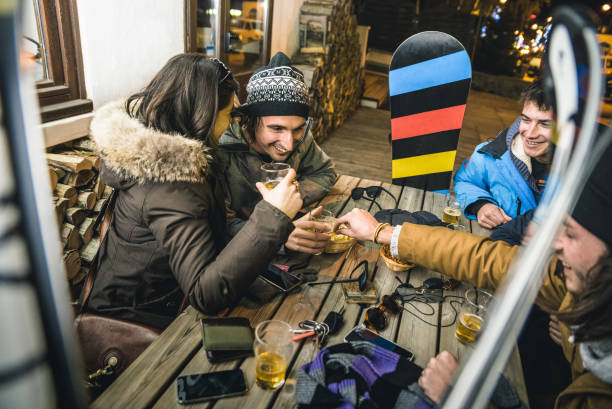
(33, 44)
(246, 28)
(207, 27)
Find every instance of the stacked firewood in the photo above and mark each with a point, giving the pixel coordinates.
(79, 196)
(330, 58)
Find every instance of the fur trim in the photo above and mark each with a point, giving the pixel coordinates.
(518, 150)
(136, 152)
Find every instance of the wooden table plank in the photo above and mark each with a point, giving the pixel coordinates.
(415, 326)
(339, 193)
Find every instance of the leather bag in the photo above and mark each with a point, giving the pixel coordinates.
(103, 338)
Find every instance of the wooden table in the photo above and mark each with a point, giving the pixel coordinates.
(151, 380)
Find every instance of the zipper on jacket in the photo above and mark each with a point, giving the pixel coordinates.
(518, 207)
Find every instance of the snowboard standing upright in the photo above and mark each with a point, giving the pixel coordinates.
(429, 81)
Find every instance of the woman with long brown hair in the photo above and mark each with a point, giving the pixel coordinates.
(167, 238)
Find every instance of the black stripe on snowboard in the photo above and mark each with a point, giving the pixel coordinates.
(430, 99)
(422, 47)
(425, 144)
(433, 181)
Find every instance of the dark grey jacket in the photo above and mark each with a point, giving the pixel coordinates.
(168, 234)
(315, 173)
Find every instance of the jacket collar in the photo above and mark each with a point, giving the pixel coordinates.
(135, 152)
(597, 358)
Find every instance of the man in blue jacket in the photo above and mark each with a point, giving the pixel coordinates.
(504, 178)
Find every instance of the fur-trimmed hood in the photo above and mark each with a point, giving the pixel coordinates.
(139, 154)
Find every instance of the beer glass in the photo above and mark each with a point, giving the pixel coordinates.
(328, 220)
(452, 209)
(273, 173)
(273, 347)
(471, 315)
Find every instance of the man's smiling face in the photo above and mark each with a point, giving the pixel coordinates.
(277, 136)
(536, 131)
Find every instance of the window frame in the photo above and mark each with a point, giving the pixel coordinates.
(190, 27)
(63, 95)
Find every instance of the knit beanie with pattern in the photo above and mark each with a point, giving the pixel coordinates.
(277, 89)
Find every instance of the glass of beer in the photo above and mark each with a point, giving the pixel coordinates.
(273, 173)
(326, 217)
(452, 209)
(471, 315)
(273, 347)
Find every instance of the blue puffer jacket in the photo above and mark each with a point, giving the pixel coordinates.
(493, 173)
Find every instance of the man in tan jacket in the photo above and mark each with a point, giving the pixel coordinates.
(577, 286)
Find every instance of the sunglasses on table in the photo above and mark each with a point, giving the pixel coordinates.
(376, 318)
(431, 292)
(371, 193)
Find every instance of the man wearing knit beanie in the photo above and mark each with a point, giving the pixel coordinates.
(274, 127)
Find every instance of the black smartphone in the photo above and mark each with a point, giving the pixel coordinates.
(282, 280)
(360, 333)
(213, 385)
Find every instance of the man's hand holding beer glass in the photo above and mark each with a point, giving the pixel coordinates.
(284, 196)
(309, 236)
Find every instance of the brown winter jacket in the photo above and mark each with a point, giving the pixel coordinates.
(168, 233)
(484, 263)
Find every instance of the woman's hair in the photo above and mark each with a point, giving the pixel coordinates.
(184, 97)
(590, 312)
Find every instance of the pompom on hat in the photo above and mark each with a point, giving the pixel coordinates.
(594, 206)
(278, 89)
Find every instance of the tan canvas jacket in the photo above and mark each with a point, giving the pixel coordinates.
(484, 263)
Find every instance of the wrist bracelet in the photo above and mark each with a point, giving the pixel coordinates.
(377, 231)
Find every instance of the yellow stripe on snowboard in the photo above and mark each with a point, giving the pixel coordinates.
(423, 165)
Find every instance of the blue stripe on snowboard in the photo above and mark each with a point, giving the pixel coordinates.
(431, 73)
(443, 191)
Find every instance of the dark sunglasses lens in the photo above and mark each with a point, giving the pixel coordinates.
(357, 193)
(373, 191)
(376, 319)
(390, 304)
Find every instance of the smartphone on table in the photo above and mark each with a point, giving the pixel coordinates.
(282, 280)
(361, 333)
(208, 386)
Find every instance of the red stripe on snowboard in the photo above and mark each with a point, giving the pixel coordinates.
(427, 122)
